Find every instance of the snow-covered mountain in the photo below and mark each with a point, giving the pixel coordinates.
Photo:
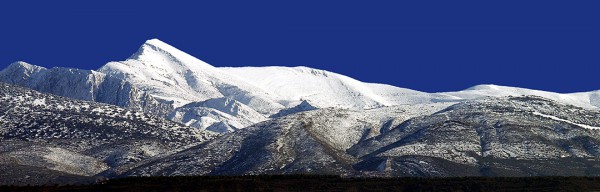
(62, 138)
(161, 79)
(172, 75)
(277, 120)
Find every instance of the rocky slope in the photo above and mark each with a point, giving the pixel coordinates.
(506, 136)
(312, 142)
(494, 136)
(65, 138)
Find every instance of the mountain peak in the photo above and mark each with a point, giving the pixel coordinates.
(158, 52)
(23, 64)
(303, 106)
(156, 45)
(19, 72)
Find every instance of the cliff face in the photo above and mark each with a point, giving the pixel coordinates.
(83, 85)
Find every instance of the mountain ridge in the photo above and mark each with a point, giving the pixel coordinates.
(182, 58)
(162, 79)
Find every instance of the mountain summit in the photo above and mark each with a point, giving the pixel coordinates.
(154, 49)
(164, 70)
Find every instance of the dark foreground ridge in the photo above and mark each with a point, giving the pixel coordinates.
(328, 183)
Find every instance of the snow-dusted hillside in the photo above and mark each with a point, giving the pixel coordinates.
(61, 136)
(492, 136)
(495, 136)
(311, 142)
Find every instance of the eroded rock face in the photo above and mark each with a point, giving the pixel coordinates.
(83, 85)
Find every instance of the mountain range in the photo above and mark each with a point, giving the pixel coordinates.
(164, 112)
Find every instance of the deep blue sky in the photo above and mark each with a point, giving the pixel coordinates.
(430, 46)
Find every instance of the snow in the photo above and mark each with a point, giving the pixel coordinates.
(328, 89)
(584, 99)
(24, 67)
(322, 88)
(211, 113)
(41, 101)
(564, 120)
